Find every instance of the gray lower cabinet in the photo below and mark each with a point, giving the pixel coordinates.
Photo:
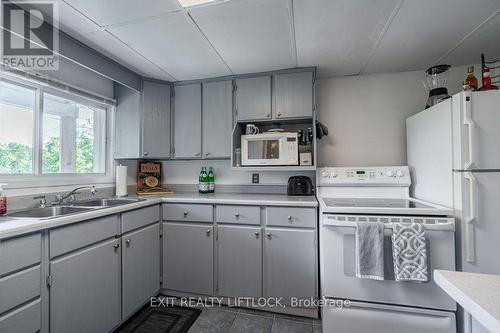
(253, 98)
(26, 319)
(187, 121)
(85, 290)
(217, 118)
(290, 263)
(293, 95)
(140, 267)
(188, 257)
(239, 261)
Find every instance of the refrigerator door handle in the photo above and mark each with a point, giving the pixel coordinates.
(470, 219)
(470, 126)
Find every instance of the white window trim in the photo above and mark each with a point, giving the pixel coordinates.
(39, 179)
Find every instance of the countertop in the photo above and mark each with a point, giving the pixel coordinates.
(10, 227)
(478, 294)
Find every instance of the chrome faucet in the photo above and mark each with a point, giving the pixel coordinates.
(43, 202)
(72, 194)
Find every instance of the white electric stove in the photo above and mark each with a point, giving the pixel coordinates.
(380, 194)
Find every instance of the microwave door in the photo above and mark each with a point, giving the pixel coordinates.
(262, 152)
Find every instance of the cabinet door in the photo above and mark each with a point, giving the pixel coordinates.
(253, 98)
(290, 253)
(187, 121)
(127, 122)
(156, 120)
(217, 118)
(240, 261)
(188, 258)
(141, 267)
(294, 95)
(85, 291)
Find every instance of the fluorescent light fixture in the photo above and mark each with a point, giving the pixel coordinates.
(190, 3)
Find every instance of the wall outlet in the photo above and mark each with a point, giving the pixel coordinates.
(255, 178)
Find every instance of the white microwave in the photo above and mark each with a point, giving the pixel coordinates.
(277, 148)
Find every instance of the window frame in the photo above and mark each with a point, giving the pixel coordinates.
(37, 178)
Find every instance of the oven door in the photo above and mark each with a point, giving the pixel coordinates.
(338, 280)
(263, 150)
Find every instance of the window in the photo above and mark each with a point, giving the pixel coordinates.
(47, 132)
(16, 128)
(72, 140)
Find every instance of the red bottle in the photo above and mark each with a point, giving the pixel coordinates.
(3, 201)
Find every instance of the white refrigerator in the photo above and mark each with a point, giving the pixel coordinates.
(454, 157)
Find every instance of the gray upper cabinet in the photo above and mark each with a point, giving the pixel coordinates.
(293, 95)
(142, 122)
(253, 98)
(217, 118)
(156, 120)
(188, 258)
(85, 290)
(290, 252)
(187, 121)
(240, 261)
(141, 267)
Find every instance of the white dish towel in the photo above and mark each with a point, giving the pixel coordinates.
(409, 252)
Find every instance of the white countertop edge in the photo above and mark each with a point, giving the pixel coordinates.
(472, 306)
(13, 227)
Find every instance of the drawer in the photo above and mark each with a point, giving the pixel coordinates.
(19, 288)
(188, 212)
(140, 217)
(78, 235)
(26, 319)
(238, 214)
(291, 217)
(20, 252)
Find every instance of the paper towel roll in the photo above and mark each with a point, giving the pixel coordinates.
(121, 180)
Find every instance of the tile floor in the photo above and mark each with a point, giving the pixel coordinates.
(239, 320)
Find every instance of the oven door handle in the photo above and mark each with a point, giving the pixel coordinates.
(446, 226)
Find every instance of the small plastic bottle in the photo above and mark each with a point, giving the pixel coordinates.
(3, 201)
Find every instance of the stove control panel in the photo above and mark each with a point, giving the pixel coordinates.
(364, 176)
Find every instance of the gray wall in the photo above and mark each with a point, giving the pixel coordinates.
(366, 115)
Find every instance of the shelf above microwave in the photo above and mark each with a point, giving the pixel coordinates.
(276, 168)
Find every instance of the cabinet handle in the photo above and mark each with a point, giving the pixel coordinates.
(290, 218)
(237, 215)
(197, 154)
(128, 241)
(208, 232)
(145, 153)
(256, 234)
(279, 114)
(268, 235)
(206, 154)
(268, 115)
(186, 213)
(116, 246)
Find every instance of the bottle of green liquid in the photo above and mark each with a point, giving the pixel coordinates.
(203, 181)
(211, 180)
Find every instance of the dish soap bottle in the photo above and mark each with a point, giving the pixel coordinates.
(203, 181)
(3, 201)
(211, 180)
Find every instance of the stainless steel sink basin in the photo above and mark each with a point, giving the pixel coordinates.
(48, 212)
(108, 202)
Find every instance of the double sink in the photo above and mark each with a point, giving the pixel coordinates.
(75, 208)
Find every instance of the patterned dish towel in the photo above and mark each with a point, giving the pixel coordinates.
(409, 252)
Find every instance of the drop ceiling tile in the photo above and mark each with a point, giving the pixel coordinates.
(173, 43)
(108, 45)
(338, 36)
(484, 40)
(109, 12)
(421, 34)
(251, 36)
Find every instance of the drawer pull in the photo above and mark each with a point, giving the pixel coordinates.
(269, 235)
(128, 241)
(116, 246)
(257, 234)
(290, 218)
(237, 214)
(208, 232)
(186, 213)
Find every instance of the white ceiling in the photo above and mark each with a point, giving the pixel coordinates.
(160, 39)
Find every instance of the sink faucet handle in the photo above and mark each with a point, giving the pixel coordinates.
(43, 200)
